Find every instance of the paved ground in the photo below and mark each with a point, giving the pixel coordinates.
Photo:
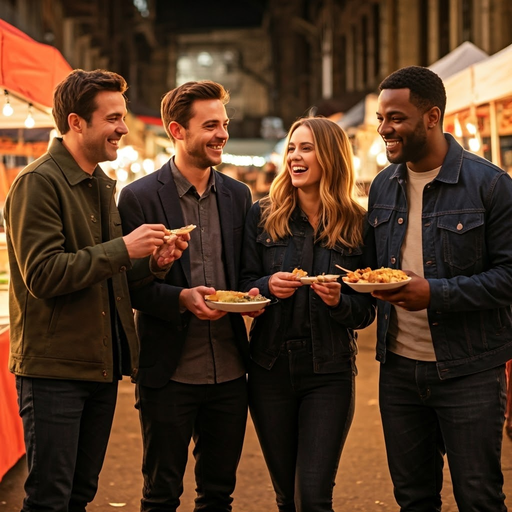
(363, 482)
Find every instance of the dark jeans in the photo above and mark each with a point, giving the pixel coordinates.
(66, 425)
(302, 419)
(424, 417)
(215, 416)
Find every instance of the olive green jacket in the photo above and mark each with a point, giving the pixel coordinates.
(59, 304)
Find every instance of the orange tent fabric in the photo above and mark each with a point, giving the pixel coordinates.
(29, 69)
(12, 446)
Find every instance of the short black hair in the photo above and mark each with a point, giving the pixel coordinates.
(427, 88)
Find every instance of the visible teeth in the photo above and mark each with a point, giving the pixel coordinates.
(391, 144)
(216, 147)
(297, 169)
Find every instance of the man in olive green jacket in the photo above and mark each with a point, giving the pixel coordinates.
(72, 332)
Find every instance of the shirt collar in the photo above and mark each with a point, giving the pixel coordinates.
(183, 185)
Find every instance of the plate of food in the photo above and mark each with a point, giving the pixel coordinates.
(235, 302)
(367, 280)
(323, 278)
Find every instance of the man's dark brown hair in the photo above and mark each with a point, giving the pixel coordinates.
(177, 104)
(76, 94)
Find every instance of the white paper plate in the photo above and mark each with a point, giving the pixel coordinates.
(370, 287)
(237, 307)
(314, 279)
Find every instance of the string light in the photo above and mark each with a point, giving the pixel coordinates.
(29, 121)
(7, 110)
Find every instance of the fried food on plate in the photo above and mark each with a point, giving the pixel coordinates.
(381, 275)
(231, 296)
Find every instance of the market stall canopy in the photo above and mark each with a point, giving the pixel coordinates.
(362, 113)
(463, 56)
(485, 81)
(29, 71)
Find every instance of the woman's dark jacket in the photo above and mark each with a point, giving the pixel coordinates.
(332, 329)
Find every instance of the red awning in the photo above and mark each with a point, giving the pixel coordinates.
(29, 69)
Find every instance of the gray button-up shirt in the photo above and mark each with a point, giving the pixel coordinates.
(210, 354)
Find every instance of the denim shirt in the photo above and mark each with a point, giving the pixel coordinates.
(467, 257)
(332, 329)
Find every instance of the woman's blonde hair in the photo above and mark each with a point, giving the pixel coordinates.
(341, 217)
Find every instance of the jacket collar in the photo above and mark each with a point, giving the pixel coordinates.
(68, 166)
(450, 170)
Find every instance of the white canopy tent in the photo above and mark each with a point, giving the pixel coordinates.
(483, 82)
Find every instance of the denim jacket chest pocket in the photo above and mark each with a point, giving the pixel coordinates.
(273, 253)
(381, 221)
(462, 241)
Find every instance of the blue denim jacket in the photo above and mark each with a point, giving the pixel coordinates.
(332, 329)
(467, 254)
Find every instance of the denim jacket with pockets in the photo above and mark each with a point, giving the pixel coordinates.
(467, 257)
(332, 329)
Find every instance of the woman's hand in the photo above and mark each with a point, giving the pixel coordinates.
(330, 293)
(283, 284)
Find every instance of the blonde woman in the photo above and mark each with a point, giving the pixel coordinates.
(301, 375)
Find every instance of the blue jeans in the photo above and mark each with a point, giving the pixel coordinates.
(302, 420)
(66, 427)
(215, 416)
(424, 417)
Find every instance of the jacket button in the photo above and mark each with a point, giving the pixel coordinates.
(103, 313)
(376, 221)
(122, 269)
(400, 220)
(93, 218)
(429, 262)
(89, 185)
(118, 299)
(459, 226)
(393, 260)
(105, 374)
(268, 240)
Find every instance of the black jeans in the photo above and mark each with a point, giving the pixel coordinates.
(215, 416)
(66, 426)
(302, 420)
(424, 417)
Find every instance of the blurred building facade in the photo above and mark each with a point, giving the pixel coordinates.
(296, 54)
(281, 59)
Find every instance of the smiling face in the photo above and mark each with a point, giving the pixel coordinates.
(101, 136)
(301, 161)
(200, 144)
(403, 127)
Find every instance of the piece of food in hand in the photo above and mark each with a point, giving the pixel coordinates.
(182, 231)
(298, 273)
(380, 275)
(327, 278)
(231, 296)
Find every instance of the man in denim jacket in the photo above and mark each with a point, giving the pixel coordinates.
(445, 217)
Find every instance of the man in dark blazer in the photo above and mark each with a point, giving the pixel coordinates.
(191, 379)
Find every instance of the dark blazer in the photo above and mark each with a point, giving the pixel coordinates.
(161, 327)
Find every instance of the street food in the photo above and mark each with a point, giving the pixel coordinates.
(182, 231)
(381, 275)
(231, 296)
(298, 273)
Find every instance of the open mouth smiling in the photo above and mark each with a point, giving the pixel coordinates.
(298, 169)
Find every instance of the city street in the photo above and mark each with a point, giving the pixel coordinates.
(363, 482)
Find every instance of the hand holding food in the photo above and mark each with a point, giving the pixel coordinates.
(283, 284)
